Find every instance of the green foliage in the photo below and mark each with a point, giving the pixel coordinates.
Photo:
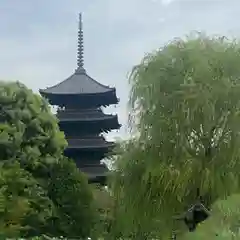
(104, 202)
(184, 107)
(223, 224)
(69, 190)
(24, 206)
(53, 196)
(28, 130)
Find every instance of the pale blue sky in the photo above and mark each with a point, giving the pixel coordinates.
(38, 38)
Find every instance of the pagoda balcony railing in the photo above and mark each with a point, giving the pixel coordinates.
(88, 143)
(94, 166)
(82, 115)
(85, 137)
(95, 172)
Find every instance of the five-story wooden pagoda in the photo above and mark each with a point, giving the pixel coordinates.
(80, 99)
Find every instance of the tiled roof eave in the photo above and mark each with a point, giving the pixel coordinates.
(46, 92)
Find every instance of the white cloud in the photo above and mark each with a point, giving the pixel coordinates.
(39, 47)
(167, 2)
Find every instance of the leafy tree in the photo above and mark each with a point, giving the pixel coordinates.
(29, 135)
(184, 112)
(104, 203)
(75, 212)
(223, 224)
(24, 206)
(28, 130)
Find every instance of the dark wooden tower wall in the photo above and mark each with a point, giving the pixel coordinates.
(80, 99)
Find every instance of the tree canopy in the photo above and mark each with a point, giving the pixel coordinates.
(53, 196)
(75, 212)
(184, 112)
(24, 205)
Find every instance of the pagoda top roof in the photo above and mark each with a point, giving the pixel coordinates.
(79, 82)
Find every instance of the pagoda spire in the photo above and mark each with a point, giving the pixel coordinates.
(80, 49)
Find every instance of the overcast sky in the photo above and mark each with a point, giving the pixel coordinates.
(38, 39)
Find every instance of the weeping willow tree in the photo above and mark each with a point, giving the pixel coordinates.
(185, 113)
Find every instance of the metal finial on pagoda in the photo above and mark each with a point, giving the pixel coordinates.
(80, 50)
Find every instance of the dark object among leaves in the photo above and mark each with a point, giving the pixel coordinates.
(196, 214)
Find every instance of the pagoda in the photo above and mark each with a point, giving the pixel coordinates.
(79, 100)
